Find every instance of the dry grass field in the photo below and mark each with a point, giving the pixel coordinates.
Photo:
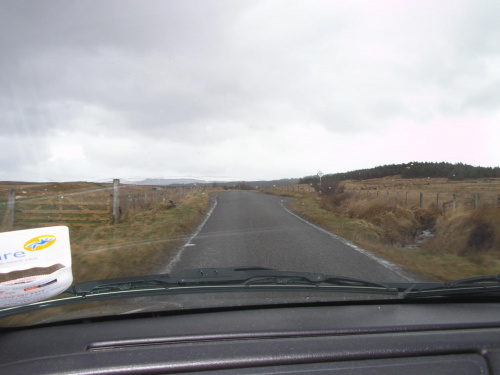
(79, 203)
(148, 231)
(33, 189)
(139, 244)
(37, 192)
(487, 189)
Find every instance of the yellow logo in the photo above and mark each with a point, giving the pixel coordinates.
(39, 243)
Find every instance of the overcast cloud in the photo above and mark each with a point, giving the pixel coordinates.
(91, 90)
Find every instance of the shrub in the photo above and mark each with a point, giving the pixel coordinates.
(481, 236)
(396, 224)
(468, 233)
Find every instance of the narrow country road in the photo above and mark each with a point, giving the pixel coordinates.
(251, 229)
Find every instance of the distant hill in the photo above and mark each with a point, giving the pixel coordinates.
(169, 181)
(457, 171)
(260, 183)
(230, 184)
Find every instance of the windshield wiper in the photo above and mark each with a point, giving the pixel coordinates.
(475, 286)
(206, 280)
(220, 278)
(254, 279)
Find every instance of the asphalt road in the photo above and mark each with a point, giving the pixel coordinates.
(251, 229)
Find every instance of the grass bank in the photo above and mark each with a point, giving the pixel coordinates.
(139, 243)
(466, 243)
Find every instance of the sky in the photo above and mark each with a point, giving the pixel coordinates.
(244, 90)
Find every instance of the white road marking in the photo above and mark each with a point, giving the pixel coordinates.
(394, 268)
(178, 256)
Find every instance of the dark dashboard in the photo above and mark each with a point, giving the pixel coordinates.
(385, 338)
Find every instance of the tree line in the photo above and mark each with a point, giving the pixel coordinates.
(457, 172)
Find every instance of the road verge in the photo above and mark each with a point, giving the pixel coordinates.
(139, 243)
(434, 260)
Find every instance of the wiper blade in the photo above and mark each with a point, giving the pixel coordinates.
(475, 286)
(487, 280)
(119, 284)
(207, 280)
(250, 277)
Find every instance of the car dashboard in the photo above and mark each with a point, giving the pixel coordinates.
(362, 338)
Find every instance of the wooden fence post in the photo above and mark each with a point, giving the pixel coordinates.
(454, 201)
(116, 200)
(406, 199)
(437, 200)
(421, 199)
(377, 194)
(11, 205)
(476, 200)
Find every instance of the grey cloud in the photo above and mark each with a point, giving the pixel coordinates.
(67, 62)
(487, 98)
(200, 73)
(479, 32)
(20, 151)
(119, 23)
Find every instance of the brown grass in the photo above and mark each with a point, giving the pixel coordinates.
(145, 237)
(470, 234)
(434, 260)
(466, 241)
(33, 189)
(396, 224)
(487, 188)
(139, 244)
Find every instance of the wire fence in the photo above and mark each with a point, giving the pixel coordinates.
(445, 200)
(298, 188)
(82, 207)
(426, 199)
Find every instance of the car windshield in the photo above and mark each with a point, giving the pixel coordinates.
(230, 153)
